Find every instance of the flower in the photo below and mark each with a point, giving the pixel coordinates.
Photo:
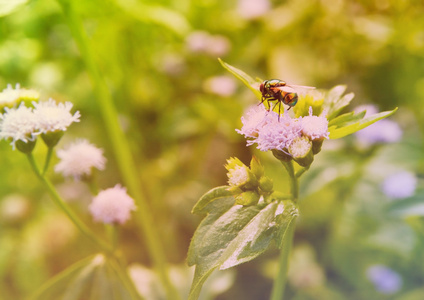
(79, 158)
(385, 280)
(400, 185)
(267, 130)
(198, 41)
(19, 124)
(112, 205)
(204, 42)
(315, 127)
(252, 9)
(221, 85)
(10, 96)
(383, 131)
(301, 151)
(239, 175)
(253, 120)
(277, 133)
(218, 45)
(54, 117)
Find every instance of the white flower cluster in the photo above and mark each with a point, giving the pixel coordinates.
(112, 205)
(79, 158)
(271, 132)
(10, 95)
(25, 123)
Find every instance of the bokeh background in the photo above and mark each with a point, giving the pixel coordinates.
(179, 109)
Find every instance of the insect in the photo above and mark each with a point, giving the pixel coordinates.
(278, 90)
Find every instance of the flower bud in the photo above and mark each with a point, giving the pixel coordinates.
(25, 147)
(239, 175)
(247, 198)
(301, 150)
(317, 145)
(266, 184)
(52, 138)
(256, 167)
(282, 156)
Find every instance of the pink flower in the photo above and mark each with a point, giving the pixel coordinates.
(315, 127)
(79, 158)
(112, 205)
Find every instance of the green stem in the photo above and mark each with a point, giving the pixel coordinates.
(121, 148)
(48, 158)
(112, 232)
(294, 184)
(61, 204)
(300, 172)
(120, 269)
(283, 263)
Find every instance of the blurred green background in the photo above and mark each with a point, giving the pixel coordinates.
(159, 59)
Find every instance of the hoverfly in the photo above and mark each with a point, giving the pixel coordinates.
(278, 90)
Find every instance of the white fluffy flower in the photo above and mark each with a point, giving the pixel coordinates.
(239, 175)
(112, 205)
(400, 185)
(79, 158)
(12, 95)
(18, 124)
(315, 127)
(53, 117)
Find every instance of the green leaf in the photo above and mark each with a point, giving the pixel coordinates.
(334, 102)
(347, 118)
(156, 14)
(91, 278)
(339, 132)
(212, 195)
(252, 84)
(233, 234)
(413, 206)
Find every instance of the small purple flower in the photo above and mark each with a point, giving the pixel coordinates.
(267, 130)
(253, 121)
(400, 185)
(383, 131)
(385, 280)
(278, 133)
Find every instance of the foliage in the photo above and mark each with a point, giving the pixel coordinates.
(179, 131)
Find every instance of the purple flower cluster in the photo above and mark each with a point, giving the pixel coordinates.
(384, 279)
(272, 133)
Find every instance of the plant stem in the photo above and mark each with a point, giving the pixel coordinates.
(301, 171)
(121, 148)
(61, 204)
(48, 158)
(283, 262)
(294, 184)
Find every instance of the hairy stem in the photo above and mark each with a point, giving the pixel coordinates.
(283, 262)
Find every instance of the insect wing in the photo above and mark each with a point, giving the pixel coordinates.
(301, 87)
(284, 89)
